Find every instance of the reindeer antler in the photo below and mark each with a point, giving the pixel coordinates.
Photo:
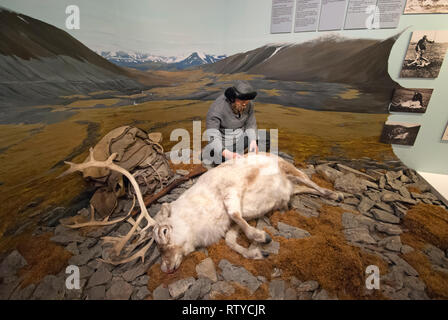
(119, 242)
(109, 164)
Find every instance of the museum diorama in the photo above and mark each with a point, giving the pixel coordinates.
(223, 150)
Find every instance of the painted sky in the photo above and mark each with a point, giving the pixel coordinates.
(176, 27)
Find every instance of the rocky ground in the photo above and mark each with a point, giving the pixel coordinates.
(377, 199)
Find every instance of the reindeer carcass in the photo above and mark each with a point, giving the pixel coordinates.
(216, 206)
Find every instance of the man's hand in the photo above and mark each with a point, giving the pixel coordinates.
(230, 155)
(253, 146)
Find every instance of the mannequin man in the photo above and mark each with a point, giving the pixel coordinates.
(231, 125)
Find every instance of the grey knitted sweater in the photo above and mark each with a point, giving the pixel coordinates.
(228, 127)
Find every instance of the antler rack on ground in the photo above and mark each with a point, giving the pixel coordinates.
(138, 234)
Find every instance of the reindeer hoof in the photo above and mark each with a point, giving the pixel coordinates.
(340, 196)
(337, 196)
(268, 239)
(265, 254)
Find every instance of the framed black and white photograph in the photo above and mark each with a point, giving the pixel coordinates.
(425, 54)
(402, 133)
(410, 100)
(445, 134)
(426, 6)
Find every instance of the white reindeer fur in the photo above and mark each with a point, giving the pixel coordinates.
(202, 215)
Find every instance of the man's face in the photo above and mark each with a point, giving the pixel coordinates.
(240, 105)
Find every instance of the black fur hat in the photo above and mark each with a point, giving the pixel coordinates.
(242, 90)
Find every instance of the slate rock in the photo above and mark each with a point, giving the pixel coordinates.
(389, 229)
(290, 294)
(306, 208)
(50, 288)
(407, 268)
(349, 220)
(352, 201)
(223, 287)
(384, 216)
(75, 294)
(294, 282)
(199, 289)
(11, 264)
(388, 196)
(440, 269)
(51, 219)
(404, 192)
(8, 286)
(395, 277)
(328, 172)
(23, 294)
(406, 249)
(277, 289)
(391, 243)
(399, 210)
(435, 255)
(85, 272)
(178, 288)
(101, 231)
(418, 295)
(86, 256)
(141, 281)
(140, 293)
(161, 293)
(72, 248)
(206, 268)
(87, 244)
(382, 182)
(135, 272)
(350, 183)
(289, 232)
(359, 174)
(239, 274)
(321, 295)
(96, 293)
(373, 195)
(310, 285)
(402, 294)
(365, 205)
(67, 238)
(305, 295)
(359, 234)
(120, 290)
(384, 206)
(101, 276)
(414, 283)
(272, 247)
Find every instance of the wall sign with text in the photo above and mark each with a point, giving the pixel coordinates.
(328, 15)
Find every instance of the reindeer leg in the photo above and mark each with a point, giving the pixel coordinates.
(254, 253)
(295, 174)
(232, 203)
(303, 189)
(333, 195)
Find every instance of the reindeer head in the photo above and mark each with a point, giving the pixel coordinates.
(172, 235)
(172, 238)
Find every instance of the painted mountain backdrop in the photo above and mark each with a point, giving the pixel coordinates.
(145, 61)
(39, 62)
(326, 59)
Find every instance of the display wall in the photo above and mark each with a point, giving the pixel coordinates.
(250, 28)
(239, 26)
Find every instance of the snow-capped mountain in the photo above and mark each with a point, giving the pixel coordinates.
(145, 61)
